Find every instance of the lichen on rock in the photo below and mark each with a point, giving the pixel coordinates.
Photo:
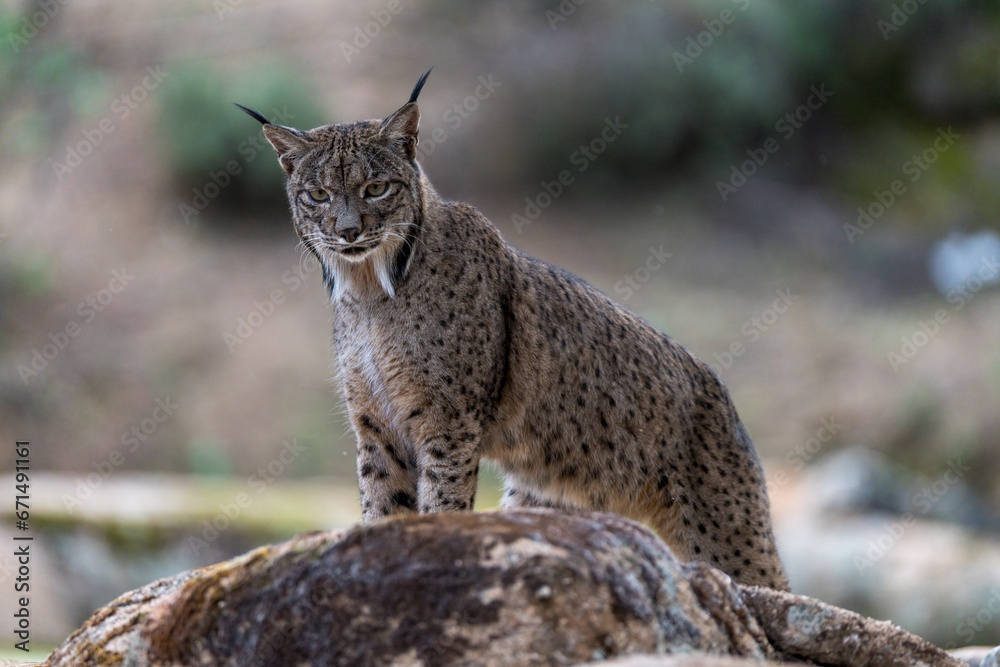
(528, 587)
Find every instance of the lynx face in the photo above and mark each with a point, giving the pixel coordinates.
(350, 197)
(354, 191)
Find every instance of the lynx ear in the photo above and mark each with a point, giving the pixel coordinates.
(400, 129)
(290, 144)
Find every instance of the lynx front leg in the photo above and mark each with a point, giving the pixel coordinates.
(386, 474)
(449, 471)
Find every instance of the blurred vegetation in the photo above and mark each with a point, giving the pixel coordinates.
(212, 148)
(43, 85)
(698, 82)
(698, 93)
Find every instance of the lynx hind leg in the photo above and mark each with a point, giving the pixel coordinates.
(726, 517)
(515, 497)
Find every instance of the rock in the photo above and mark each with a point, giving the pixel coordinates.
(855, 479)
(690, 660)
(803, 628)
(936, 579)
(858, 479)
(107, 636)
(958, 259)
(977, 656)
(532, 587)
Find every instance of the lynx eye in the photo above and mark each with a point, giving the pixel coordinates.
(319, 195)
(375, 189)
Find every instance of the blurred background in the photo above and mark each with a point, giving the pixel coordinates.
(806, 195)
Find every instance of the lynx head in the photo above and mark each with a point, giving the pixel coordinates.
(355, 194)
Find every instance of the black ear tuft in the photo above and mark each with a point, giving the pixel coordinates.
(260, 117)
(420, 84)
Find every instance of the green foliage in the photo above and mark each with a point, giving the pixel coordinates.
(30, 276)
(43, 84)
(490, 487)
(24, 278)
(209, 458)
(940, 189)
(701, 82)
(687, 94)
(213, 148)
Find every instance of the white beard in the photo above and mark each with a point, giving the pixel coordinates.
(361, 276)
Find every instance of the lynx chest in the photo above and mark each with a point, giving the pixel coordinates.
(377, 366)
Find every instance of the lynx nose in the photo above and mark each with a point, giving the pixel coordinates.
(349, 234)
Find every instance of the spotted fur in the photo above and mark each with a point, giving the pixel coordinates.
(455, 347)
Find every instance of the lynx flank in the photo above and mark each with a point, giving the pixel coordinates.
(453, 346)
